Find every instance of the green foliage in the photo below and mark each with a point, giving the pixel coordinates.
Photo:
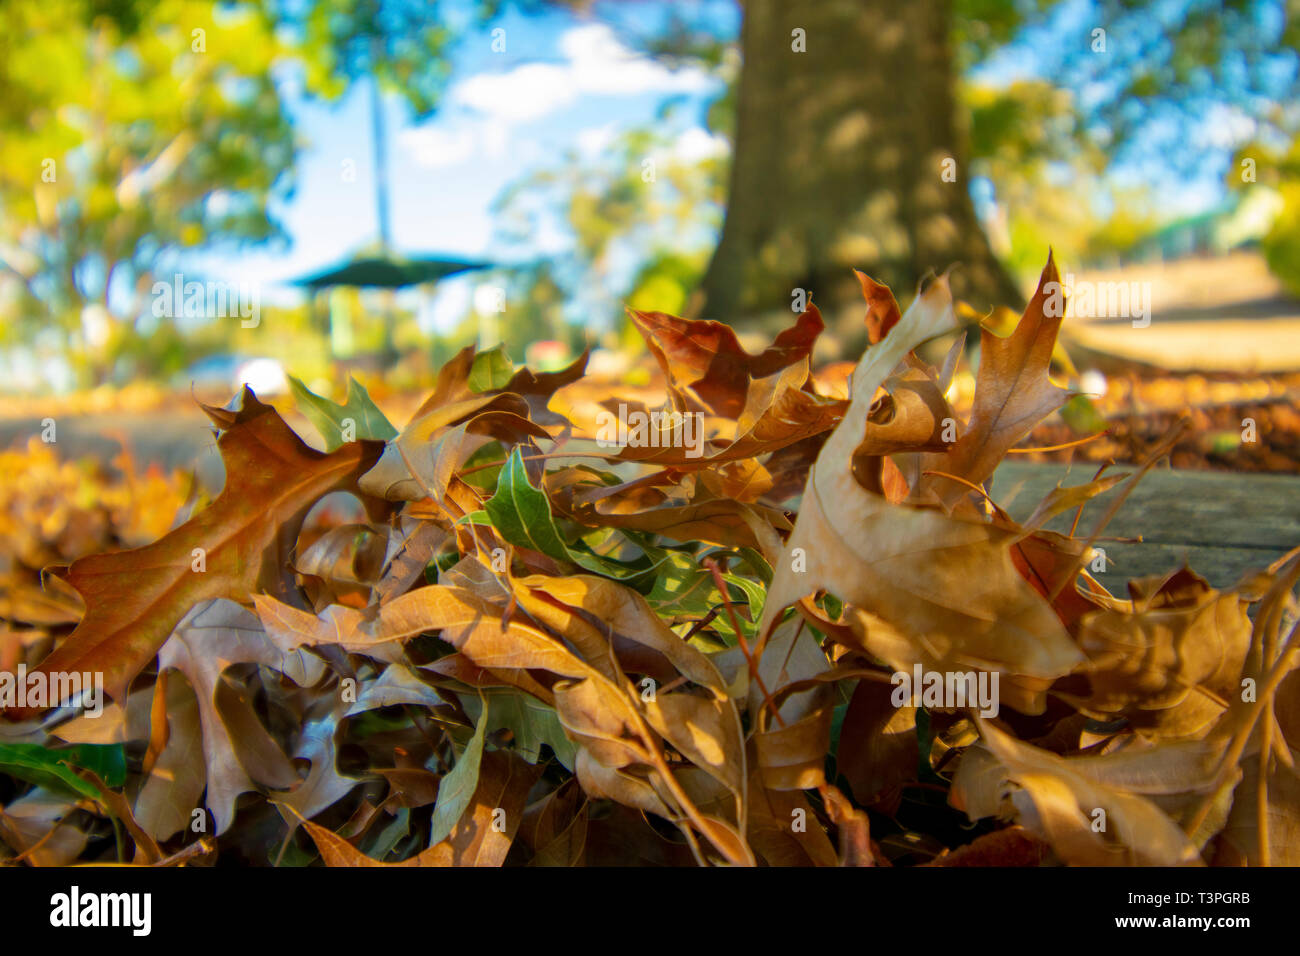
(530, 722)
(125, 140)
(1082, 416)
(521, 513)
(331, 419)
(131, 131)
(665, 282)
(54, 769)
(1281, 246)
(403, 43)
(491, 370)
(457, 787)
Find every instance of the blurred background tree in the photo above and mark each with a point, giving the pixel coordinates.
(128, 131)
(846, 116)
(644, 218)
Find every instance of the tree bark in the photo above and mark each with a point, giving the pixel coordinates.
(839, 160)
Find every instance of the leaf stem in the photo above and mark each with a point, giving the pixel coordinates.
(721, 583)
(1068, 444)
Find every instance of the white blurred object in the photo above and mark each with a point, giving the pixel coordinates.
(489, 299)
(265, 376)
(1092, 383)
(95, 325)
(607, 362)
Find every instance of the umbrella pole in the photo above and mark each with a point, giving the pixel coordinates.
(389, 349)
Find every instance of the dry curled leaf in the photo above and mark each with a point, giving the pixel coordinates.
(944, 589)
(239, 545)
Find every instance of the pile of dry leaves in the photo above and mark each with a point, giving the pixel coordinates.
(527, 647)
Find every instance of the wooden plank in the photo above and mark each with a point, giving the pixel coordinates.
(1222, 524)
(1222, 567)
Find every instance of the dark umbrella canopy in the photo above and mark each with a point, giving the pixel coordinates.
(390, 272)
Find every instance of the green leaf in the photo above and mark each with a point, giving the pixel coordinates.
(754, 594)
(684, 589)
(53, 768)
(383, 842)
(331, 419)
(531, 723)
(457, 787)
(832, 605)
(491, 369)
(521, 513)
(758, 564)
(1082, 416)
(472, 472)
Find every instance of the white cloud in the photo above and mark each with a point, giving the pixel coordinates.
(435, 147)
(600, 64)
(692, 145)
(596, 63)
(524, 93)
(1225, 127)
(696, 144)
(438, 146)
(594, 140)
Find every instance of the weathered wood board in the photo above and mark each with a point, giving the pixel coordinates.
(1222, 524)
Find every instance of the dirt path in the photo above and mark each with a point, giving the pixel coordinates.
(1225, 313)
(172, 439)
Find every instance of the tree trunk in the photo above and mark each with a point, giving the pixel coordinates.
(839, 161)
